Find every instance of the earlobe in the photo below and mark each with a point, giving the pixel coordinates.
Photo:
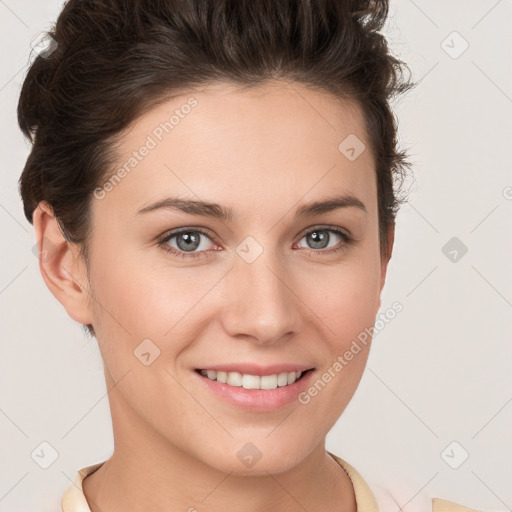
(60, 266)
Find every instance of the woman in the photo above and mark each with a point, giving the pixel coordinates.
(214, 186)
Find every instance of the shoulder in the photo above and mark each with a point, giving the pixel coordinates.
(374, 498)
(73, 499)
(440, 505)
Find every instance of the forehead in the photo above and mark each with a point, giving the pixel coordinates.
(256, 146)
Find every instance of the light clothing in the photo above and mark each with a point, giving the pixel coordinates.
(74, 500)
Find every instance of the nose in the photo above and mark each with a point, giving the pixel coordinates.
(261, 303)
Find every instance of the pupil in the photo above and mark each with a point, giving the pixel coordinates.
(318, 239)
(191, 241)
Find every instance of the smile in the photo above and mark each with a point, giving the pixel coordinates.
(248, 381)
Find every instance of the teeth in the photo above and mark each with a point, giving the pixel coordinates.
(234, 379)
(252, 381)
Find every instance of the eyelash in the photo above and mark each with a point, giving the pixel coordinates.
(163, 242)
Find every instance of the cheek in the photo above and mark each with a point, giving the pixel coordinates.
(140, 295)
(345, 297)
(348, 309)
(148, 307)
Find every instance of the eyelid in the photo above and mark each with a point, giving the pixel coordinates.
(191, 228)
(346, 235)
(208, 232)
(173, 232)
(319, 227)
(164, 239)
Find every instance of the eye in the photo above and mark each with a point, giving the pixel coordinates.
(186, 243)
(320, 238)
(191, 243)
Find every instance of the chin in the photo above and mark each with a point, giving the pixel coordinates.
(252, 459)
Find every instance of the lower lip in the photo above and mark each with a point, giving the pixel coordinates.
(261, 400)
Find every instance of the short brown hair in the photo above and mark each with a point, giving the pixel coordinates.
(115, 59)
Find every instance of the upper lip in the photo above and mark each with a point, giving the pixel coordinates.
(255, 369)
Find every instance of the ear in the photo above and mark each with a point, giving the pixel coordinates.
(384, 259)
(63, 271)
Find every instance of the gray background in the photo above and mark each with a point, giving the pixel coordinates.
(438, 373)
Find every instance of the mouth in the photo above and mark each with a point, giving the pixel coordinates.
(256, 388)
(255, 381)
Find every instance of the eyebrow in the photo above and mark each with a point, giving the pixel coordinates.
(217, 211)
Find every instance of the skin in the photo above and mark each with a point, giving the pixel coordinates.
(263, 152)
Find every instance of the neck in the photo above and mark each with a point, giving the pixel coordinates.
(146, 472)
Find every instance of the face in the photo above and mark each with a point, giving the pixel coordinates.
(275, 283)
